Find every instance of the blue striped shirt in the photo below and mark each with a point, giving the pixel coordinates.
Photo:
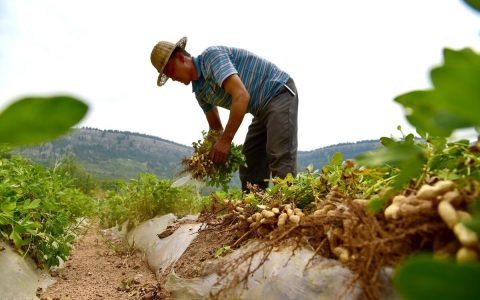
(261, 78)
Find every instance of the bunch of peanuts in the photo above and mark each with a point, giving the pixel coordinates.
(448, 200)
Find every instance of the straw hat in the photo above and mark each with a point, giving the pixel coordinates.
(160, 55)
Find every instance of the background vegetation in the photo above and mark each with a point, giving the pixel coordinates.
(110, 154)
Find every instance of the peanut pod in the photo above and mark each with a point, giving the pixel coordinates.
(342, 254)
(466, 236)
(448, 213)
(294, 219)
(466, 255)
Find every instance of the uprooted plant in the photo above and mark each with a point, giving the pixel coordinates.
(201, 167)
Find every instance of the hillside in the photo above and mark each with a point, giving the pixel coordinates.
(321, 156)
(112, 154)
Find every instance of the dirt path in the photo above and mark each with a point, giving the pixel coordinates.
(100, 268)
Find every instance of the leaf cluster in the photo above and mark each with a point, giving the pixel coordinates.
(40, 209)
(307, 189)
(201, 167)
(144, 198)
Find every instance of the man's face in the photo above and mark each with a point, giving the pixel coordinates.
(177, 69)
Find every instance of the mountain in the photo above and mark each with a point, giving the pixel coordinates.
(112, 154)
(321, 156)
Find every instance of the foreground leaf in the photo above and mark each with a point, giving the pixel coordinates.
(421, 277)
(34, 119)
(475, 4)
(453, 103)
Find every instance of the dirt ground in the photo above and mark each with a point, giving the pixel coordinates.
(100, 268)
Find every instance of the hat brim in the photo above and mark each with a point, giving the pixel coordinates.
(162, 78)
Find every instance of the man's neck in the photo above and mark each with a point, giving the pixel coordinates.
(194, 72)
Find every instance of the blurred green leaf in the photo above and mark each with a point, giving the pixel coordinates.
(421, 277)
(474, 223)
(16, 237)
(386, 141)
(34, 204)
(425, 114)
(422, 133)
(409, 139)
(376, 204)
(454, 101)
(457, 81)
(475, 4)
(439, 143)
(34, 119)
(5, 218)
(8, 206)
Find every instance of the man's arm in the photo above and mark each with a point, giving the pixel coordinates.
(214, 124)
(233, 85)
(214, 121)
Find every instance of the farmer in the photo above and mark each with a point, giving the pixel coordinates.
(242, 82)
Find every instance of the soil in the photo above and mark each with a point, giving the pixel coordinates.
(102, 268)
(203, 248)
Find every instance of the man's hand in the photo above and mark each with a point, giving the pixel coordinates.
(220, 150)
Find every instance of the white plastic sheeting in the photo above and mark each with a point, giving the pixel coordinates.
(19, 276)
(162, 253)
(282, 276)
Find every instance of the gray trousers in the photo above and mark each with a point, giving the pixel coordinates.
(270, 147)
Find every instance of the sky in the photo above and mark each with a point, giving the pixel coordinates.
(349, 58)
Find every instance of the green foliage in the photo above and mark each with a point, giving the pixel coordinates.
(202, 168)
(223, 174)
(404, 155)
(453, 102)
(67, 166)
(35, 119)
(308, 188)
(422, 277)
(39, 209)
(144, 198)
(474, 223)
(402, 160)
(475, 4)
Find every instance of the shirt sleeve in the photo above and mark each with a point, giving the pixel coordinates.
(218, 64)
(206, 107)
